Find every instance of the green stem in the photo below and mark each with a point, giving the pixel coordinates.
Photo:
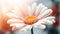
(32, 31)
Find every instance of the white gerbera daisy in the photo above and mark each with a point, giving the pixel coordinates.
(25, 17)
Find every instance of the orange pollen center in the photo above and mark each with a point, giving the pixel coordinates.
(30, 20)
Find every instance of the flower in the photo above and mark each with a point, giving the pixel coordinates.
(25, 17)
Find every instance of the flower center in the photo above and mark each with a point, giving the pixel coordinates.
(30, 20)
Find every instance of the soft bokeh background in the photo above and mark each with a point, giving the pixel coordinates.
(52, 29)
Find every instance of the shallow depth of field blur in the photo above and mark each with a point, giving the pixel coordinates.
(52, 29)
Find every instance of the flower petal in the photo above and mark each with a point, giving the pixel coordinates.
(45, 21)
(45, 14)
(39, 25)
(29, 11)
(39, 8)
(42, 26)
(14, 21)
(24, 9)
(49, 20)
(12, 15)
(34, 5)
(20, 10)
(16, 26)
(43, 9)
(28, 27)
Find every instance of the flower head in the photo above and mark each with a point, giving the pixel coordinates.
(25, 17)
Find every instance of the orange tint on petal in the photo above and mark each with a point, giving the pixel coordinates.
(4, 25)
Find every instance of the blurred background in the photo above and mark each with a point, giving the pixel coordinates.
(51, 29)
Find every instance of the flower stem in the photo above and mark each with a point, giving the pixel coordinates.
(32, 31)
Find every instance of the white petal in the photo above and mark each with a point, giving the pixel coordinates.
(17, 26)
(28, 27)
(29, 11)
(45, 13)
(34, 5)
(14, 28)
(14, 21)
(11, 15)
(39, 25)
(39, 8)
(50, 17)
(43, 9)
(49, 20)
(24, 9)
(42, 26)
(17, 11)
